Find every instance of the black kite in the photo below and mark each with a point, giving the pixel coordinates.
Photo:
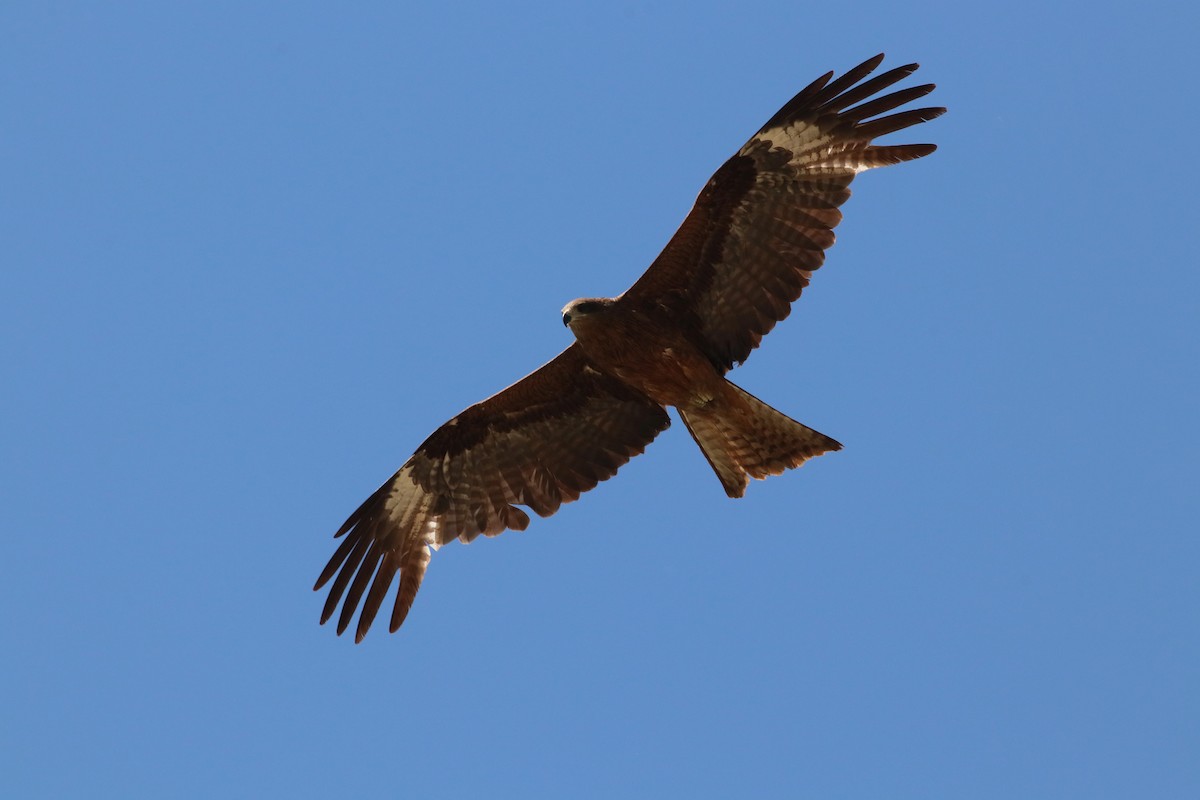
(741, 258)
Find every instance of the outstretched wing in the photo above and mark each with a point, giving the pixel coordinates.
(539, 443)
(762, 224)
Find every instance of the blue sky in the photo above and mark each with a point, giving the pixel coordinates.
(254, 253)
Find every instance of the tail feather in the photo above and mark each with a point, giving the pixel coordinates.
(742, 437)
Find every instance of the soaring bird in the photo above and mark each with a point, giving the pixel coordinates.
(743, 255)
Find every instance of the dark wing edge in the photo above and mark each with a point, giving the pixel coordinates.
(761, 225)
(539, 443)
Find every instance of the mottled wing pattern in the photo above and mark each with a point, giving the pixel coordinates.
(762, 224)
(539, 443)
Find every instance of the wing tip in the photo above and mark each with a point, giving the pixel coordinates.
(828, 97)
(874, 61)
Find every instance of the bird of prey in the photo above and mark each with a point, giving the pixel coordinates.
(743, 255)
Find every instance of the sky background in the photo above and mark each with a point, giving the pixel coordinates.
(253, 253)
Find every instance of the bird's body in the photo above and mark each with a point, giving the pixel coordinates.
(664, 366)
(758, 230)
(741, 436)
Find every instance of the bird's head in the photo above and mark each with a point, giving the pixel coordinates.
(584, 307)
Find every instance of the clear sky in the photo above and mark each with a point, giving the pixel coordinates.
(253, 253)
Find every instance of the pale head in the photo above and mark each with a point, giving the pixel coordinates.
(584, 307)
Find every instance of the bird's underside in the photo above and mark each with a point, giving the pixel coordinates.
(743, 255)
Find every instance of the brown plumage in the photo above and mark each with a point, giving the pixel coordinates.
(758, 230)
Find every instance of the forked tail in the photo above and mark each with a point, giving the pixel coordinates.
(742, 437)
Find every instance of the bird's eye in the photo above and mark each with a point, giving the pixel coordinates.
(590, 307)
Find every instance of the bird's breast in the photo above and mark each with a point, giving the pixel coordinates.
(650, 355)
